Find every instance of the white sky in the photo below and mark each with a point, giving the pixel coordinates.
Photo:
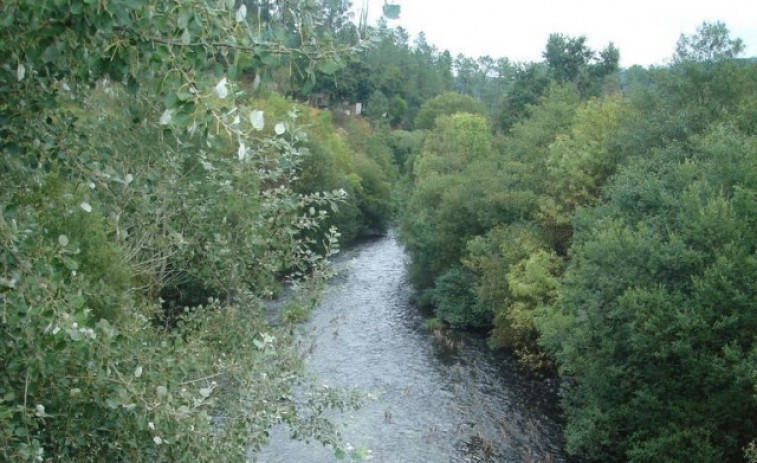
(645, 31)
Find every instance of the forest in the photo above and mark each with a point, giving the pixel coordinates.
(169, 167)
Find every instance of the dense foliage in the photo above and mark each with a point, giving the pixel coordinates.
(153, 194)
(609, 235)
(159, 182)
(393, 79)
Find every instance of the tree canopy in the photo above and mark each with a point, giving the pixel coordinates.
(607, 234)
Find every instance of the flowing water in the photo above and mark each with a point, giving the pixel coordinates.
(437, 399)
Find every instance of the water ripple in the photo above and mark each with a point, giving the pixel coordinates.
(432, 404)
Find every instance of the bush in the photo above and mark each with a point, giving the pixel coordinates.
(133, 166)
(446, 104)
(660, 290)
(454, 298)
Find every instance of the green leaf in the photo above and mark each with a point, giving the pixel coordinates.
(329, 67)
(267, 59)
(184, 17)
(76, 301)
(184, 95)
(233, 72)
(70, 263)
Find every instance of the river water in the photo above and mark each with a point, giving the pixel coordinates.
(435, 400)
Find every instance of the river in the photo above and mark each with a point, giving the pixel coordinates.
(435, 399)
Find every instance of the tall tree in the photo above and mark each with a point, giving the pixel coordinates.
(566, 56)
(571, 60)
(711, 43)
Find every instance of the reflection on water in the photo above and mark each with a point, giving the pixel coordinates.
(437, 399)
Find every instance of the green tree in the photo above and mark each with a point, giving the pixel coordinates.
(530, 81)
(446, 104)
(458, 140)
(377, 107)
(134, 166)
(711, 43)
(566, 56)
(431, 222)
(570, 60)
(657, 290)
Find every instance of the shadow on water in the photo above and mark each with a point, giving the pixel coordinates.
(439, 397)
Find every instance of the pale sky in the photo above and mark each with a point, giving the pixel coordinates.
(645, 31)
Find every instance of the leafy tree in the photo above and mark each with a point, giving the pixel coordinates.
(570, 60)
(516, 275)
(397, 110)
(579, 163)
(711, 43)
(657, 291)
(530, 81)
(405, 146)
(454, 299)
(446, 104)
(377, 107)
(458, 140)
(148, 205)
(566, 56)
(430, 223)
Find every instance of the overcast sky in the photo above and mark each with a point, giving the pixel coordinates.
(645, 31)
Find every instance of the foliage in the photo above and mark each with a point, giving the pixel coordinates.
(501, 286)
(486, 79)
(711, 43)
(570, 60)
(658, 291)
(444, 105)
(356, 159)
(397, 110)
(404, 75)
(750, 452)
(610, 235)
(465, 204)
(405, 146)
(533, 284)
(530, 82)
(148, 203)
(377, 107)
(579, 163)
(454, 299)
(430, 219)
(566, 56)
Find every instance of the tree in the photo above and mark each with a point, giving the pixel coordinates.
(148, 205)
(570, 60)
(711, 43)
(397, 110)
(432, 222)
(530, 81)
(377, 107)
(657, 292)
(446, 104)
(566, 56)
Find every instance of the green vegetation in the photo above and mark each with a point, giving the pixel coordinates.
(607, 233)
(154, 193)
(159, 182)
